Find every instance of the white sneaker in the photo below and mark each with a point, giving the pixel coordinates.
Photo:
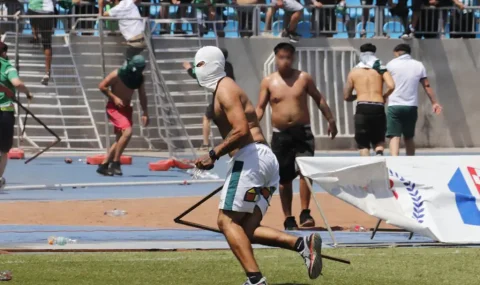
(312, 255)
(262, 281)
(2, 183)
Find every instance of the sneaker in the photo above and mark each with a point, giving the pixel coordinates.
(312, 255)
(290, 224)
(45, 79)
(408, 35)
(363, 34)
(115, 168)
(306, 220)
(262, 281)
(294, 37)
(2, 183)
(284, 34)
(104, 170)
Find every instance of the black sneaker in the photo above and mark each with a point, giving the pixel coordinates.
(294, 37)
(290, 224)
(115, 168)
(284, 34)
(104, 170)
(306, 220)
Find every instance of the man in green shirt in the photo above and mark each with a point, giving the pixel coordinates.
(9, 81)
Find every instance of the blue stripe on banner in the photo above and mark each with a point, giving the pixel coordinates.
(232, 185)
(466, 202)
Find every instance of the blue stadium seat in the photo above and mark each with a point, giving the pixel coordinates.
(277, 27)
(370, 29)
(304, 29)
(231, 29)
(478, 30)
(341, 31)
(261, 26)
(394, 29)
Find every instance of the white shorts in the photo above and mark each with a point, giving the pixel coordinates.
(292, 6)
(252, 179)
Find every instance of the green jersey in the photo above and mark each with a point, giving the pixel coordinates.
(7, 74)
(45, 6)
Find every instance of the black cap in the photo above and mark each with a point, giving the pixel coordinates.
(368, 48)
(403, 47)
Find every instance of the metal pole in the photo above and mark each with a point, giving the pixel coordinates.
(102, 60)
(17, 65)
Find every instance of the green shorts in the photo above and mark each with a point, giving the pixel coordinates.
(401, 120)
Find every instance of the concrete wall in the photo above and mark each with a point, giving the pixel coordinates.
(452, 67)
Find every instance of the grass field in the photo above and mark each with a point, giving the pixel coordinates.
(369, 266)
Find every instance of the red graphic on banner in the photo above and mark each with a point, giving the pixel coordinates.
(391, 188)
(475, 173)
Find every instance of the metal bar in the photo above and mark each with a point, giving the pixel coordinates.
(335, 93)
(104, 73)
(17, 66)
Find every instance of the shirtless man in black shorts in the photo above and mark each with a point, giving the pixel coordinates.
(367, 78)
(287, 92)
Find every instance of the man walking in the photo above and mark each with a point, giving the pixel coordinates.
(9, 82)
(253, 175)
(402, 110)
(119, 87)
(287, 91)
(368, 78)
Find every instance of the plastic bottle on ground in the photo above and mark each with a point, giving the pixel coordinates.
(60, 241)
(115, 213)
(5, 275)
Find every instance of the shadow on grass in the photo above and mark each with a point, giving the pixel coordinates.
(290, 284)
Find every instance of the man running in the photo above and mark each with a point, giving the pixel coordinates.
(402, 112)
(287, 91)
(119, 86)
(367, 78)
(253, 175)
(9, 81)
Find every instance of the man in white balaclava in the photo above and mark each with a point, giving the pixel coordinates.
(367, 78)
(253, 175)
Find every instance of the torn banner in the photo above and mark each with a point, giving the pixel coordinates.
(435, 196)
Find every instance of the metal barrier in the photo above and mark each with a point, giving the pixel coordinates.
(329, 68)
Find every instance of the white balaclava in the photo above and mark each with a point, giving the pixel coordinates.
(213, 70)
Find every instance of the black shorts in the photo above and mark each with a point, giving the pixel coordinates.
(7, 123)
(44, 26)
(209, 111)
(370, 124)
(289, 144)
(378, 2)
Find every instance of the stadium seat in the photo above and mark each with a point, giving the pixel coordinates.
(341, 31)
(393, 29)
(231, 29)
(304, 29)
(277, 27)
(370, 28)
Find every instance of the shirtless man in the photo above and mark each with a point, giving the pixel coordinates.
(287, 91)
(253, 173)
(367, 78)
(119, 86)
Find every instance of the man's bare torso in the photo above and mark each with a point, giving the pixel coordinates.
(122, 91)
(288, 99)
(228, 87)
(368, 84)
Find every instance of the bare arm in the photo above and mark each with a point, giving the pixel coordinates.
(389, 83)
(319, 99)
(142, 95)
(428, 89)
(20, 86)
(263, 99)
(348, 90)
(233, 108)
(106, 83)
(101, 5)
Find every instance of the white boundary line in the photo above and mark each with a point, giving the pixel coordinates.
(108, 184)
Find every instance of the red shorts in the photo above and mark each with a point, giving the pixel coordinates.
(120, 117)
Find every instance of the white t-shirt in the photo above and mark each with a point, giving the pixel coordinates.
(128, 28)
(407, 73)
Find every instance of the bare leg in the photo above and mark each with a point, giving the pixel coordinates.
(364, 152)
(111, 150)
(415, 17)
(379, 148)
(269, 18)
(305, 194)
(292, 27)
(409, 146)
(122, 143)
(395, 146)
(48, 60)
(365, 17)
(206, 131)
(286, 198)
(3, 162)
(230, 225)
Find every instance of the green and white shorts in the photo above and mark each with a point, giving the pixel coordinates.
(252, 179)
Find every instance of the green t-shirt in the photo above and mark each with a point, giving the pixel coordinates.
(7, 73)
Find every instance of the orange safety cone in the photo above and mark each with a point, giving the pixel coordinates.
(16, 153)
